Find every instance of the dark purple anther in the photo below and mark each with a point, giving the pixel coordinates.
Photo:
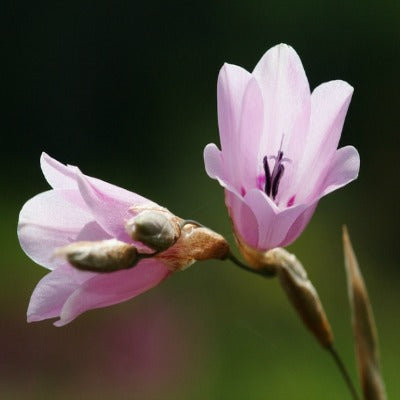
(276, 179)
(272, 180)
(267, 188)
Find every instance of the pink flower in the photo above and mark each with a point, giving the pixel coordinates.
(81, 209)
(279, 147)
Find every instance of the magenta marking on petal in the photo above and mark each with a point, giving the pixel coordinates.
(291, 201)
(242, 191)
(261, 182)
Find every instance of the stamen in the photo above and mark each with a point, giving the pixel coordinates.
(272, 180)
(268, 179)
(277, 173)
(276, 179)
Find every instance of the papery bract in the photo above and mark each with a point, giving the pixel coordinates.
(80, 209)
(279, 144)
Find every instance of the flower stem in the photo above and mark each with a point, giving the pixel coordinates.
(346, 377)
(270, 273)
(262, 272)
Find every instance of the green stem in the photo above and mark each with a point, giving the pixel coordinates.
(346, 377)
(262, 272)
(268, 274)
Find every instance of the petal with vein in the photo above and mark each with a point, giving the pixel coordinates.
(329, 104)
(53, 290)
(273, 224)
(107, 289)
(344, 169)
(286, 94)
(48, 221)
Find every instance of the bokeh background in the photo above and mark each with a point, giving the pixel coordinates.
(127, 91)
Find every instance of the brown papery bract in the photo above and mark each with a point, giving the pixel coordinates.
(194, 244)
(303, 295)
(364, 327)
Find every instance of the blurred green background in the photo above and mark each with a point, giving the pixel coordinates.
(127, 91)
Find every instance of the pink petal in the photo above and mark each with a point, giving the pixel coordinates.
(286, 94)
(214, 162)
(299, 225)
(231, 88)
(329, 104)
(48, 221)
(61, 176)
(215, 168)
(273, 224)
(110, 211)
(52, 292)
(242, 217)
(248, 156)
(344, 169)
(106, 289)
(240, 117)
(92, 231)
(58, 175)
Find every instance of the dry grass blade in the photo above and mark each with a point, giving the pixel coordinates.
(364, 328)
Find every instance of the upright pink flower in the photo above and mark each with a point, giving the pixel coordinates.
(86, 212)
(279, 144)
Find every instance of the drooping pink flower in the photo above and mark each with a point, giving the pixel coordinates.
(279, 145)
(84, 210)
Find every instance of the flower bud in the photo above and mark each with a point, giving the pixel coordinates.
(99, 256)
(158, 230)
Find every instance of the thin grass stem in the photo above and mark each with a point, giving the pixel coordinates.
(346, 377)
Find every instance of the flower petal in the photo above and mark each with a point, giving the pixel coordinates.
(58, 175)
(215, 168)
(299, 225)
(108, 208)
(243, 219)
(233, 82)
(213, 162)
(52, 292)
(286, 94)
(329, 104)
(61, 176)
(106, 289)
(48, 221)
(273, 224)
(231, 87)
(248, 155)
(344, 169)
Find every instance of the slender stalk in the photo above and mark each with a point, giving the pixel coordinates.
(231, 256)
(338, 361)
(345, 375)
(268, 274)
(262, 272)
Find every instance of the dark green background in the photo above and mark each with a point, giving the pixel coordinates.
(127, 91)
